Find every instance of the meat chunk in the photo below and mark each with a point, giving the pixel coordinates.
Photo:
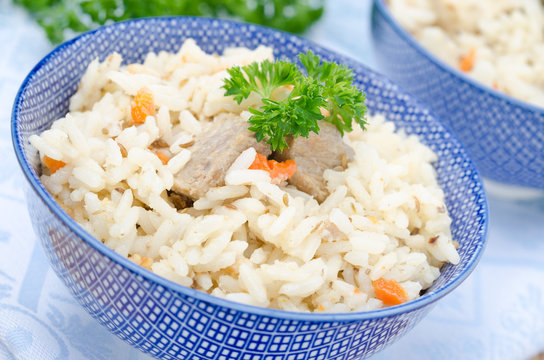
(315, 154)
(213, 153)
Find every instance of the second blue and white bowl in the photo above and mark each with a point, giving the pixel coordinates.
(503, 135)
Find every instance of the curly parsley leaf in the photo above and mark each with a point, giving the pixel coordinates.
(297, 115)
(262, 78)
(327, 89)
(325, 72)
(344, 101)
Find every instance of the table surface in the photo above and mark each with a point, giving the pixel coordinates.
(497, 313)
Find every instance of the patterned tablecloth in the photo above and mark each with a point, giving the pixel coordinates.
(498, 313)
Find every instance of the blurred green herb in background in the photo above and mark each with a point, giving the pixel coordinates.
(62, 19)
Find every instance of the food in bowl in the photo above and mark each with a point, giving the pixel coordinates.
(155, 161)
(171, 321)
(498, 43)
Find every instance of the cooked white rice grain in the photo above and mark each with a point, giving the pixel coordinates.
(302, 288)
(246, 177)
(226, 192)
(204, 227)
(176, 163)
(215, 246)
(253, 284)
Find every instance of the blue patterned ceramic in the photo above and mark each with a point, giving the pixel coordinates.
(170, 321)
(504, 136)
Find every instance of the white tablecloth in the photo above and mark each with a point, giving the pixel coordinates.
(498, 313)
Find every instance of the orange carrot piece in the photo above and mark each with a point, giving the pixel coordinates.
(260, 163)
(389, 292)
(466, 63)
(142, 106)
(163, 157)
(279, 171)
(52, 164)
(146, 262)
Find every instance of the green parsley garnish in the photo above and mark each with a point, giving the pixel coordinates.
(327, 86)
(63, 19)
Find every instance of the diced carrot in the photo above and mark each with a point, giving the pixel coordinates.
(163, 157)
(357, 291)
(389, 292)
(146, 262)
(466, 63)
(495, 85)
(142, 106)
(279, 171)
(260, 163)
(52, 164)
(320, 308)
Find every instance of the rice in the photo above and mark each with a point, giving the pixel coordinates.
(250, 240)
(497, 42)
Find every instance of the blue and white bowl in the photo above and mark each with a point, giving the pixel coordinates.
(170, 321)
(503, 135)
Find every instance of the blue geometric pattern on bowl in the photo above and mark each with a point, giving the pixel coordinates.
(170, 321)
(504, 136)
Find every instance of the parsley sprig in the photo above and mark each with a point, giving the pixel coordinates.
(327, 86)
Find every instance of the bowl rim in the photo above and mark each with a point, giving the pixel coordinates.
(74, 227)
(381, 6)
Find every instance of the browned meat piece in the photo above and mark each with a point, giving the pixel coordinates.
(315, 154)
(213, 153)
